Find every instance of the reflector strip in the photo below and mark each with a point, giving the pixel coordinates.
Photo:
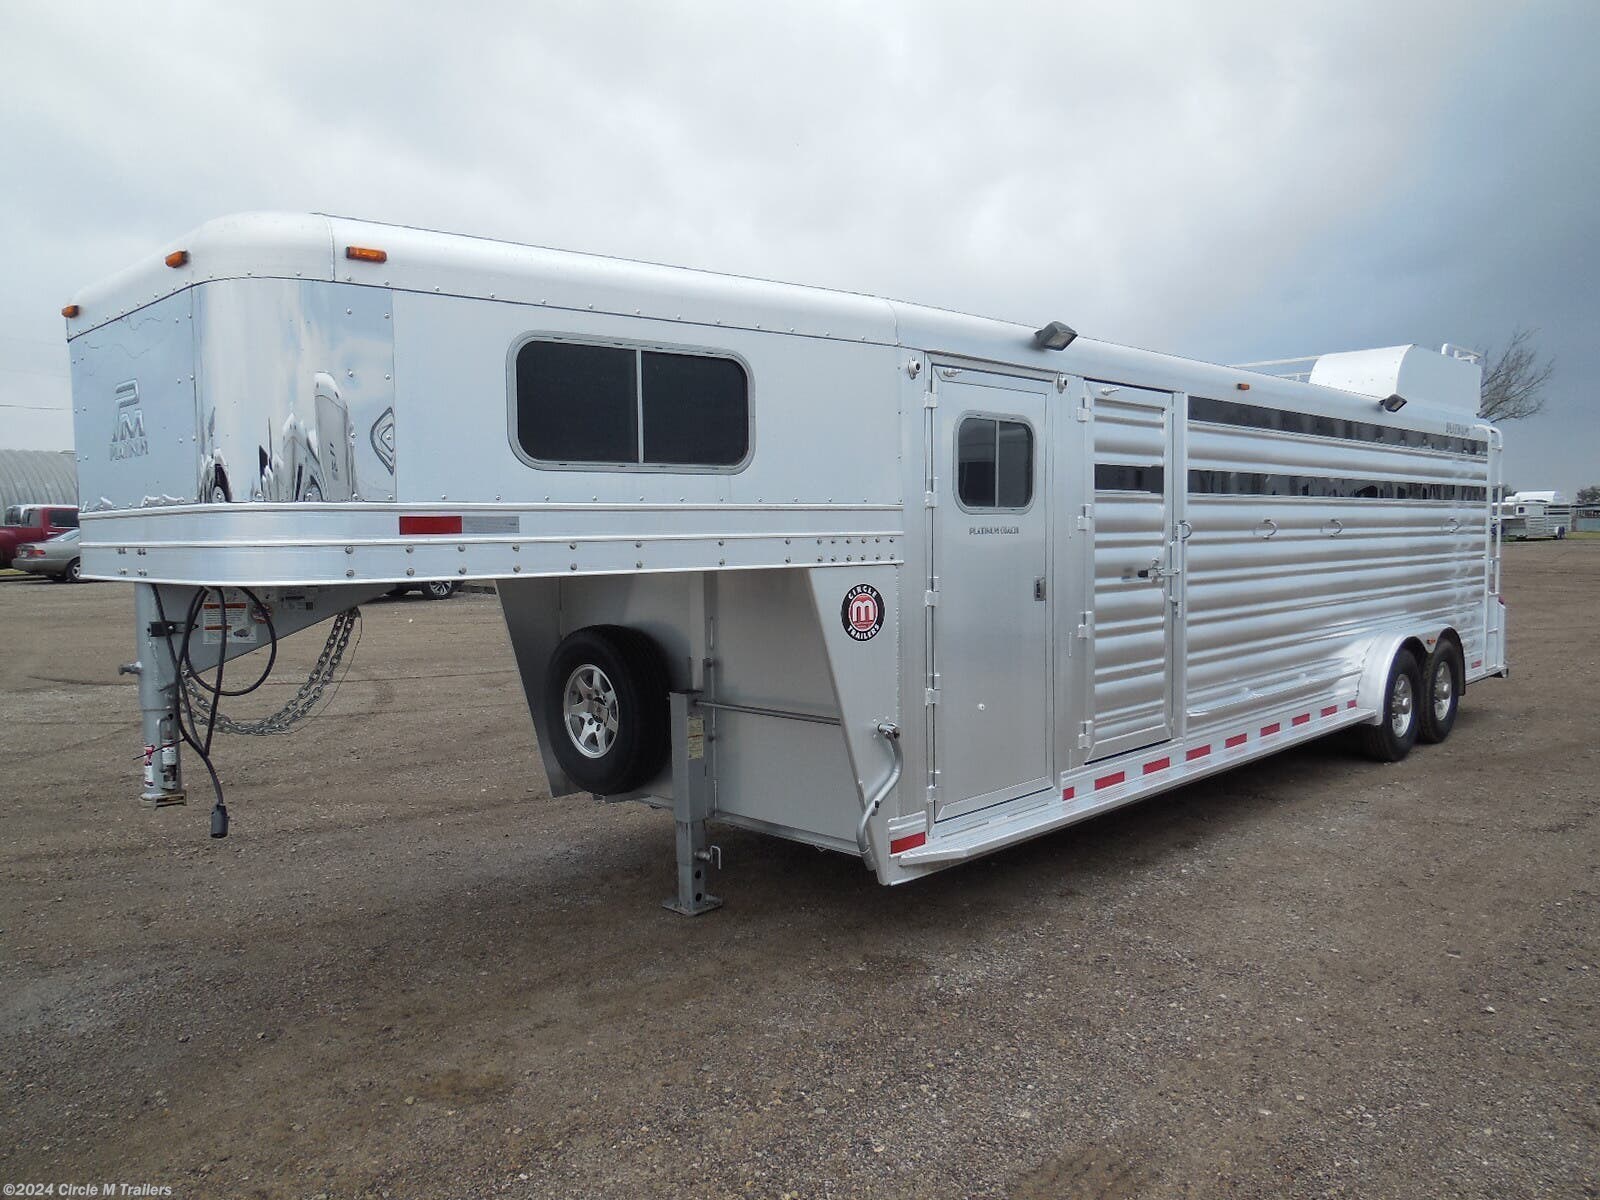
(1302, 719)
(1159, 764)
(1476, 663)
(1330, 710)
(1106, 781)
(426, 525)
(1237, 739)
(1068, 793)
(1349, 703)
(1197, 752)
(910, 842)
(1268, 730)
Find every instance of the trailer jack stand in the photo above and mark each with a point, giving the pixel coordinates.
(690, 808)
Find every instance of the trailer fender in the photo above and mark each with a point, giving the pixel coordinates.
(532, 609)
(1375, 670)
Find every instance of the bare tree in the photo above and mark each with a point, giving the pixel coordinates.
(1514, 379)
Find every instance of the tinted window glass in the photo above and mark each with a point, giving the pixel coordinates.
(696, 410)
(994, 463)
(578, 403)
(975, 463)
(1015, 476)
(582, 404)
(64, 518)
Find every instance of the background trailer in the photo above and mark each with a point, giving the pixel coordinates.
(881, 578)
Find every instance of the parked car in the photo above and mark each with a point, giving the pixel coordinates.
(431, 589)
(33, 523)
(57, 558)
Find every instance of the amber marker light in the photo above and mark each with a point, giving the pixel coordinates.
(178, 258)
(366, 254)
(1243, 387)
(71, 310)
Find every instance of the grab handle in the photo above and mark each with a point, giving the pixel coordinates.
(889, 732)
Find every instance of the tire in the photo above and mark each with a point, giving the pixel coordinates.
(1385, 742)
(439, 589)
(1438, 713)
(608, 741)
(74, 572)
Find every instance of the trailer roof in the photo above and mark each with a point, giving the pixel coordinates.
(314, 246)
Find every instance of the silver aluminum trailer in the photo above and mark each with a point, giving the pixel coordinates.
(888, 580)
(1526, 520)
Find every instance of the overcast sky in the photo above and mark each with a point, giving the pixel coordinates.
(1230, 181)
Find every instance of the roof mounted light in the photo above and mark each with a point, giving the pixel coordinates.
(1055, 336)
(1392, 404)
(366, 254)
(178, 258)
(71, 311)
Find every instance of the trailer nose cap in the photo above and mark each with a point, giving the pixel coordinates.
(1055, 336)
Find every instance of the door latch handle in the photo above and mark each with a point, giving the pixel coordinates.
(1038, 588)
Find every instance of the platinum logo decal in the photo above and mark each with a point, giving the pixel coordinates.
(127, 438)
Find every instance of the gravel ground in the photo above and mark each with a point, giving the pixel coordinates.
(409, 973)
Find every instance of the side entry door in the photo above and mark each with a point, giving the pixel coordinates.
(990, 690)
(1137, 587)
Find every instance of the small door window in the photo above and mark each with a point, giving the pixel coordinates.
(994, 463)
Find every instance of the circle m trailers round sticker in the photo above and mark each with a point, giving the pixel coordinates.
(861, 614)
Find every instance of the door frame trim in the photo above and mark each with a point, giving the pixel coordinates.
(1042, 392)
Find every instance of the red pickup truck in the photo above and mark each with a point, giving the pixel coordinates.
(33, 523)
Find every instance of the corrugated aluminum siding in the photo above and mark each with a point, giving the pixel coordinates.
(37, 477)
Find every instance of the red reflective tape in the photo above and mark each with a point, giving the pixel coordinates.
(1237, 739)
(1476, 663)
(1349, 703)
(1330, 710)
(1302, 719)
(1197, 752)
(1068, 793)
(1106, 781)
(426, 525)
(1159, 764)
(910, 842)
(1267, 730)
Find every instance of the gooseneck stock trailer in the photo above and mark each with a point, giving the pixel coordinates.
(885, 579)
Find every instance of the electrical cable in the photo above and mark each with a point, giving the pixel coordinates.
(183, 663)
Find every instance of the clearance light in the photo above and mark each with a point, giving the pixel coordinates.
(1243, 387)
(366, 254)
(71, 310)
(178, 258)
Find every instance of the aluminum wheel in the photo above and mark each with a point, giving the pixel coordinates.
(589, 711)
(1400, 715)
(1444, 692)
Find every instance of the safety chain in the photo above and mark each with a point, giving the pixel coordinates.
(311, 691)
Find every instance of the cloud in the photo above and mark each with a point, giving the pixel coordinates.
(1198, 178)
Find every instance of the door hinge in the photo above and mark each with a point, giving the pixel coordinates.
(930, 498)
(1086, 517)
(1082, 414)
(930, 399)
(1085, 735)
(930, 598)
(1085, 624)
